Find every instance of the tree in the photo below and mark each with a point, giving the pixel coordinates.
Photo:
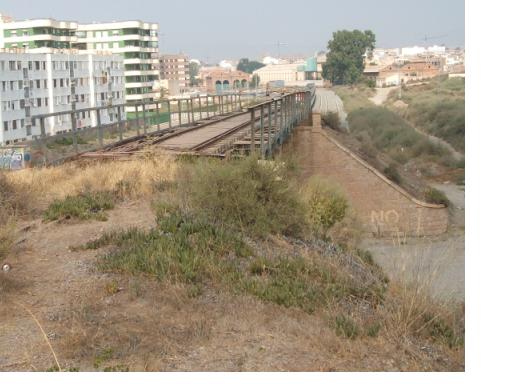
(344, 62)
(193, 73)
(245, 65)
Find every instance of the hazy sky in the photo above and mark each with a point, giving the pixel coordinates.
(212, 30)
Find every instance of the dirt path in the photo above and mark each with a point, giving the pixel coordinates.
(381, 94)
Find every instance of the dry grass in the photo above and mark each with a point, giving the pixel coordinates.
(413, 309)
(128, 179)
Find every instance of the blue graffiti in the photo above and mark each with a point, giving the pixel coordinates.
(13, 159)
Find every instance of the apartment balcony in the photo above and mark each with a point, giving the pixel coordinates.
(141, 61)
(142, 72)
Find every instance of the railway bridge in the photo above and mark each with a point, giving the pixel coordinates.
(209, 125)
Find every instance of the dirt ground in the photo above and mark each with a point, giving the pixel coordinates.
(440, 260)
(101, 321)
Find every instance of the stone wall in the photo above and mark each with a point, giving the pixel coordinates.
(383, 207)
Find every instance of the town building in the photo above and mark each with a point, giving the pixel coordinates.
(39, 83)
(174, 73)
(403, 71)
(40, 35)
(298, 73)
(216, 79)
(137, 43)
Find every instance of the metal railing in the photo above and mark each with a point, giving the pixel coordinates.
(99, 127)
(272, 121)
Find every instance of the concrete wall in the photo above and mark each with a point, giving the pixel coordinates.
(382, 206)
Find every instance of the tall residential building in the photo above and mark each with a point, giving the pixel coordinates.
(39, 83)
(175, 69)
(38, 34)
(137, 43)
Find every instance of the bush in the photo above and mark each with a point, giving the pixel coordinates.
(345, 326)
(391, 173)
(326, 204)
(436, 196)
(85, 206)
(248, 195)
(438, 108)
(296, 282)
(332, 119)
(182, 248)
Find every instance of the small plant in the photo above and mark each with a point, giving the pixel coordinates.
(345, 326)
(103, 356)
(440, 330)
(332, 119)
(326, 205)
(112, 287)
(85, 206)
(435, 196)
(391, 173)
(373, 329)
(65, 141)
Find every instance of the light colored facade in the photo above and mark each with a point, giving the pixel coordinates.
(279, 72)
(38, 34)
(217, 79)
(38, 83)
(137, 43)
(175, 70)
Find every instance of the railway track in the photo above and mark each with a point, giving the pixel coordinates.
(220, 135)
(211, 137)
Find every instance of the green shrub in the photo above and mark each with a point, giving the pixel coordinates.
(390, 133)
(296, 282)
(355, 97)
(248, 195)
(85, 206)
(65, 141)
(438, 108)
(332, 119)
(441, 330)
(182, 248)
(391, 173)
(435, 196)
(326, 204)
(373, 329)
(345, 326)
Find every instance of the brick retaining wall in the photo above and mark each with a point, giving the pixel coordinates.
(383, 207)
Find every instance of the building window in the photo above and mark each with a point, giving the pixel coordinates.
(6, 126)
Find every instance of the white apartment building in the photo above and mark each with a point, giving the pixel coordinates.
(39, 83)
(137, 43)
(38, 35)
